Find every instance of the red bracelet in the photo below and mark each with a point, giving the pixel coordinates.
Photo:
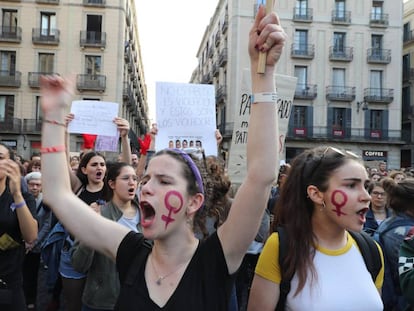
(53, 149)
(55, 122)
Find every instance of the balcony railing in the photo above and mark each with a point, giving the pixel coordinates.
(10, 78)
(408, 37)
(378, 95)
(217, 39)
(85, 82)
(223, 58)
(379, 56)
(345, 54)
(92, 39)
(48, 1)
(300, 50)
(34, 78)
(225, 24)
(216, 70)
(45, 36)
(10, 125)
(378, 20)
(305, 91)
(210, 52)
(302, 15)
(10, 34)
(99, 3)
(408, 74)
(341, 17)
(32, 126)
(344, 134)
(340, 93)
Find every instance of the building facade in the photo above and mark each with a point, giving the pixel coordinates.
(95, 41)
(346, 55)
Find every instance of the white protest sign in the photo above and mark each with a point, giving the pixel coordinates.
(237, 159)
(94, 117)
(186, 116)
(106, 143)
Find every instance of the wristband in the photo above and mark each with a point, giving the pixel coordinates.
(54, 122)
(13, 206)
(265, 97)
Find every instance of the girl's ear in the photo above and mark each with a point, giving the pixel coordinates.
(195, 203)
(314, 194)
(111, 184)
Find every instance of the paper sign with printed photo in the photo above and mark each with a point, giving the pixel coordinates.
(186, 116)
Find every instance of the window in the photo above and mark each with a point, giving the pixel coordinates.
(406, 32)
(376, 120)
(301, 7)
(299, 116)
(339, 42)
(340, 9)
(8, 63)
(406, 67)
(338, 81)
(377, 10)
(38, 111)
(94, 28)
(338, 121)
(376, 82)
(93, 65)
(47, 24)
(9, 18)
(301, 42)
(301, 72)
(6, 107)
(46, 62)
(376, 44)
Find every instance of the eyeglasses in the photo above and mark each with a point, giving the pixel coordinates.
(331, 152)
(377, 193)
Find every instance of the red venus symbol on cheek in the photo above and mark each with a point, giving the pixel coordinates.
(339, 200)
(170, 207)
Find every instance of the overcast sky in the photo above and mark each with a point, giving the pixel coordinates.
(170, 33)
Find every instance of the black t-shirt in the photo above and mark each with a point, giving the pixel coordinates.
(12, 248)
(205, 285)
(90, 197)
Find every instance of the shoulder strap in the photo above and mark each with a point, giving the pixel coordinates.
(369, 251)
(285, 282)
(137, 263)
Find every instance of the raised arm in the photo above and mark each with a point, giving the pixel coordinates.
(248, 206)
(95, 231)
(123, 128)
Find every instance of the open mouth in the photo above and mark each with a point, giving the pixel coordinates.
(99, 174)
(131, 191)
(362, 211)
(147, 214)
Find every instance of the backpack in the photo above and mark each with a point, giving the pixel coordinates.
(366, 244)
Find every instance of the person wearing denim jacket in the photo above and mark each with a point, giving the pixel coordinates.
(406, 267)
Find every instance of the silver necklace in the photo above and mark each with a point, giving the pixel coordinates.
(160, 278)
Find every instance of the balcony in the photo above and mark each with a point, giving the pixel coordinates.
(98, 3)
(345, 54)
(340, 17)
(10, 34)
(34, 78)
(340, 93)
(302, 15)
(378, 20)
(87, 82)
(45, 36)
(222, 61)
(217, 39)
(344, 134)
(221, 94)
(408, 37)
(379, 56)
(216, 70)
(207, 78)
(10, 125)
(305, 91)
(47, 1)
(210, 52)
(304, 51)
(32, 126)
(10, 78)
(378, 95)
(92, 39)
(408, 74)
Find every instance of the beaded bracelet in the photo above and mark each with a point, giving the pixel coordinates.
(13, 206)
(53, 149)
(54, 122)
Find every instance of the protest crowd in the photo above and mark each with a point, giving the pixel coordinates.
(163, 230)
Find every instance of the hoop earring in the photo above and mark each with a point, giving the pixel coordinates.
(323, 207)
